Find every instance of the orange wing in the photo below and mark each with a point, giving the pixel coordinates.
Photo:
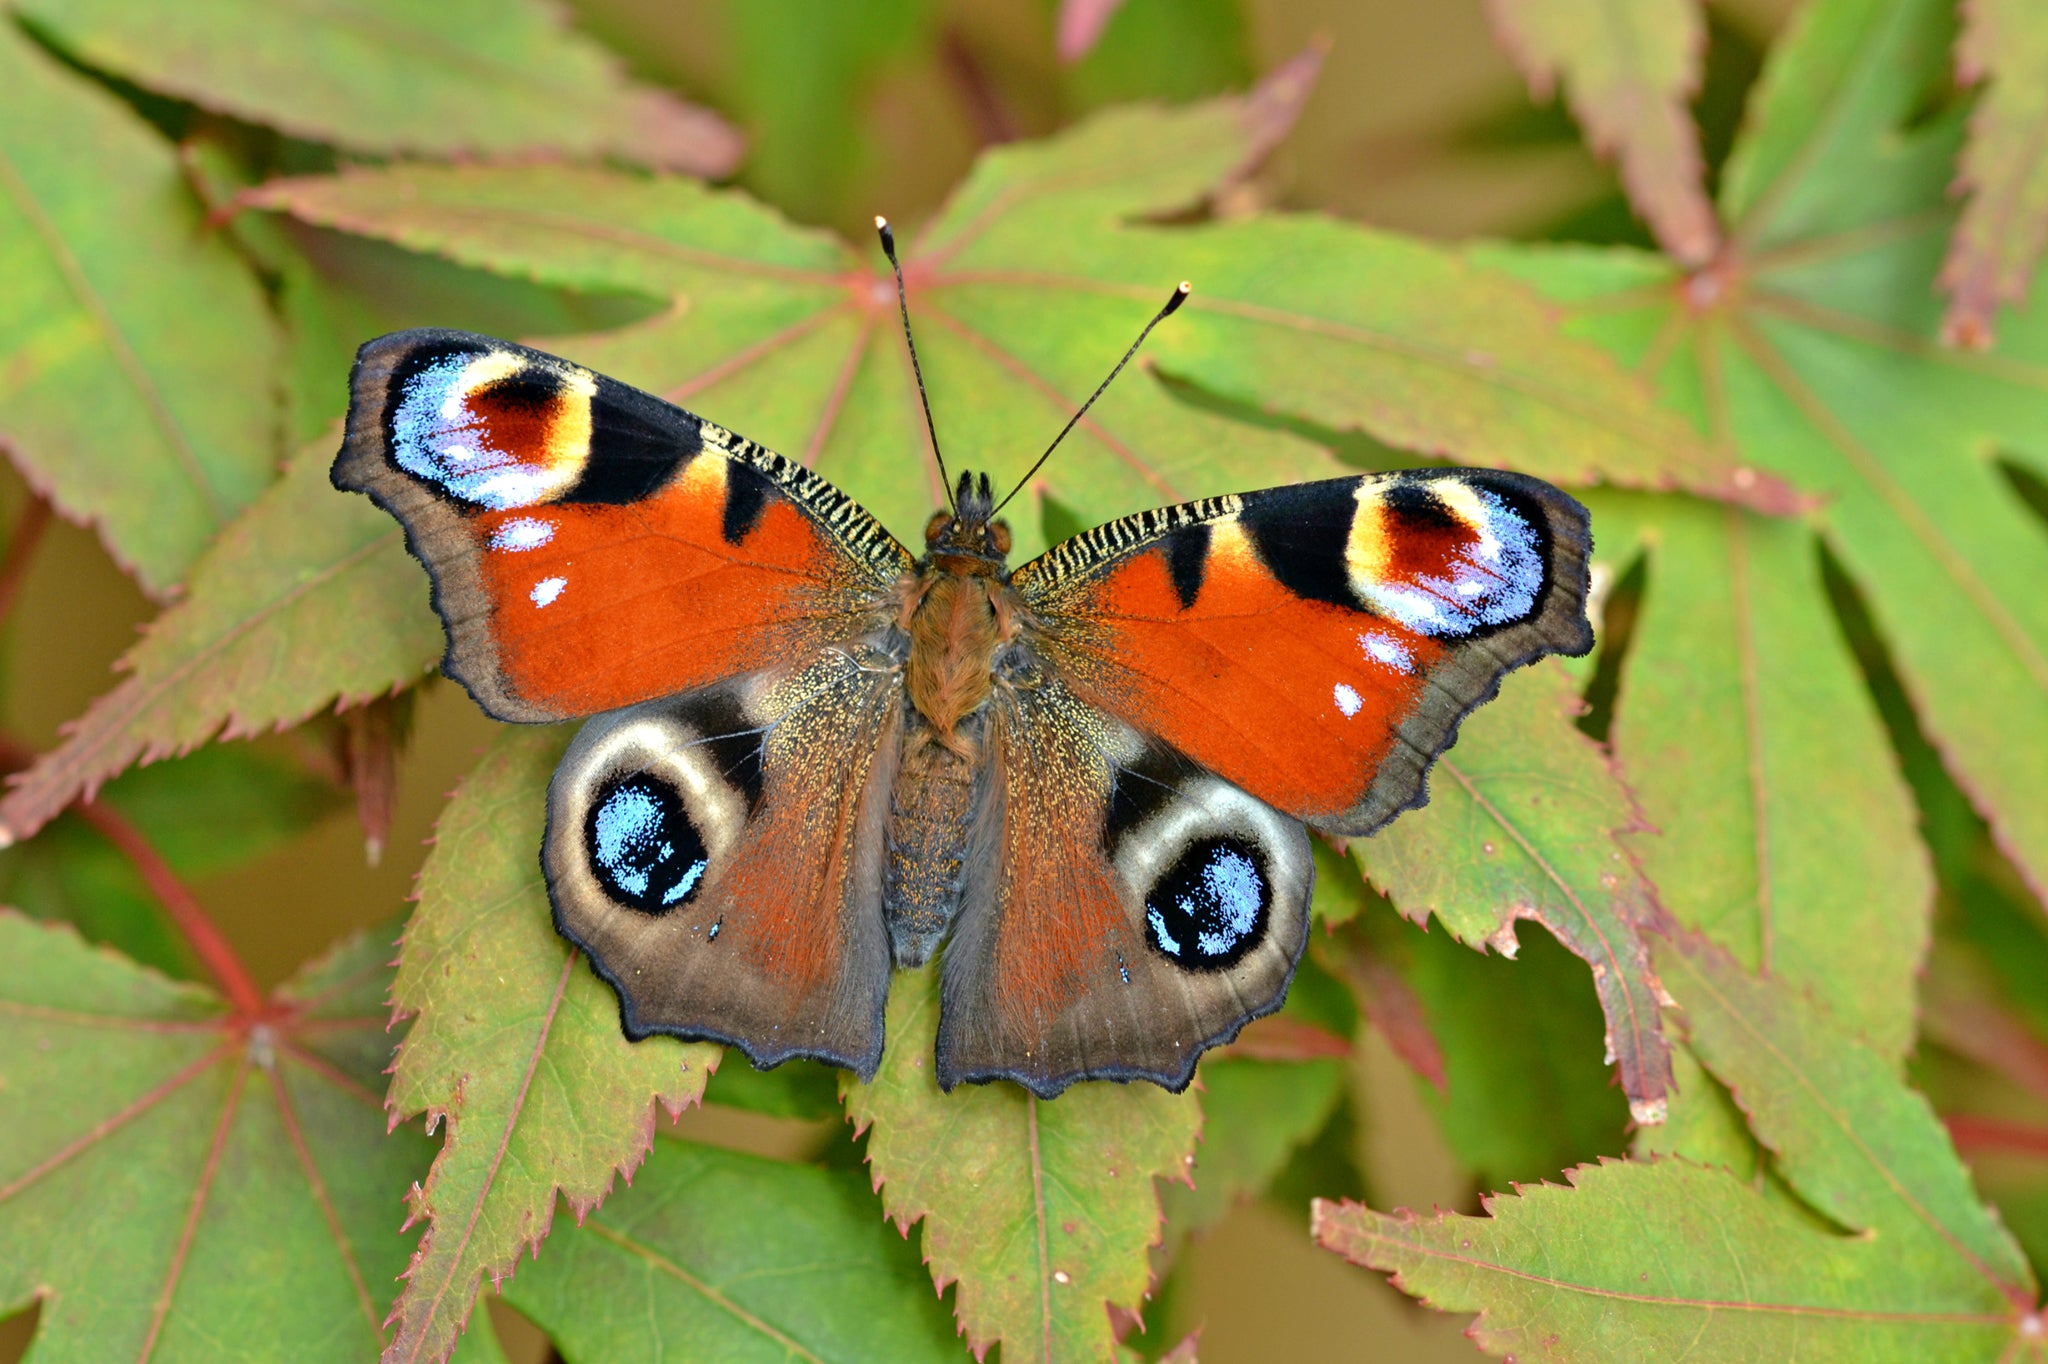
(592, 546)
(1317, 645)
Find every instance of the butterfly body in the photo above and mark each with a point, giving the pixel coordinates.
(1084, 786)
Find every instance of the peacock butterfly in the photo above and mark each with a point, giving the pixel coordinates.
(812, 755)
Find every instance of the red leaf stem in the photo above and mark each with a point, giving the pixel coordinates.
(1975, 1135)
(183, 907)
(21, 550)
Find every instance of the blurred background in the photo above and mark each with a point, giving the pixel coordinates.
(1419, 123)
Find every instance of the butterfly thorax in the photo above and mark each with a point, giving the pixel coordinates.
(958, 615)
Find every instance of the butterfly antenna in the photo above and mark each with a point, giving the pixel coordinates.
(888, 236)
(1179, 296)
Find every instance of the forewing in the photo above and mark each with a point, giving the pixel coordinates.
(1131, 911)
(592, 546)
(718, 855)
(1317, 644)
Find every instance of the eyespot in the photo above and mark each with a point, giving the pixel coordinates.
(1212, 905)
(643, 848)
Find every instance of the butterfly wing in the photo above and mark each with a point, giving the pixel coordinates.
(1138, 909)
(718, 855)
(1197, 682)
(592, 546)
(1318, 644)
(714, 835)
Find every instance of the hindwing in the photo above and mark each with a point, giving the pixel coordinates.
(719, 856)
(1137, 909)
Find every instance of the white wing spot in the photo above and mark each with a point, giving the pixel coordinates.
(547, 589)
(523, 532)
(1348, 700)
(1388, 651)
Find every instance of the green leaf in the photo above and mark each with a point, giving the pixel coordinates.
(1999, 236)
(1524, 1094)
(1028, 284)
(256, 644)
(1630, 70)
(805, 104)
(178, 1183)
(1847, 1135)
(1810, 351)
(1713, 1269)
(136, 353)
(718, 1256)
(1521, 824)
(1709, 1270)
(216, 809)
(516, 1043)
(456, 78)
(1791, 843)
(1042, 1211)
(791, 336)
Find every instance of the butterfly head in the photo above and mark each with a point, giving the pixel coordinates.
(968, 539)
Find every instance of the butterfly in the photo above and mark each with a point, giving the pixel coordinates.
(811, 755)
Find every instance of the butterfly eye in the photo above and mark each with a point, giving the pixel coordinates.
(644, 849)
(937, 526)
(1211, 906)
(644, 811)
(999, 536)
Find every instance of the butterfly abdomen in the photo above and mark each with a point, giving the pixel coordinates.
(931, 813)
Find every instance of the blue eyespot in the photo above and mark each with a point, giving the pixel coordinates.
(1210, 908)
(645, 851)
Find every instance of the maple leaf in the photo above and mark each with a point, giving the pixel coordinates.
(1521, 824)
(2004, 167)
(253, 645)
(1631, 66)
(1718, 1268)
(517, 1045)
(716, 1256)
(1808, 349)
(1025, 284)
(456, 78)
(135, 350)
(1040, 1211)
(183, 1179)
(1791, 843)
